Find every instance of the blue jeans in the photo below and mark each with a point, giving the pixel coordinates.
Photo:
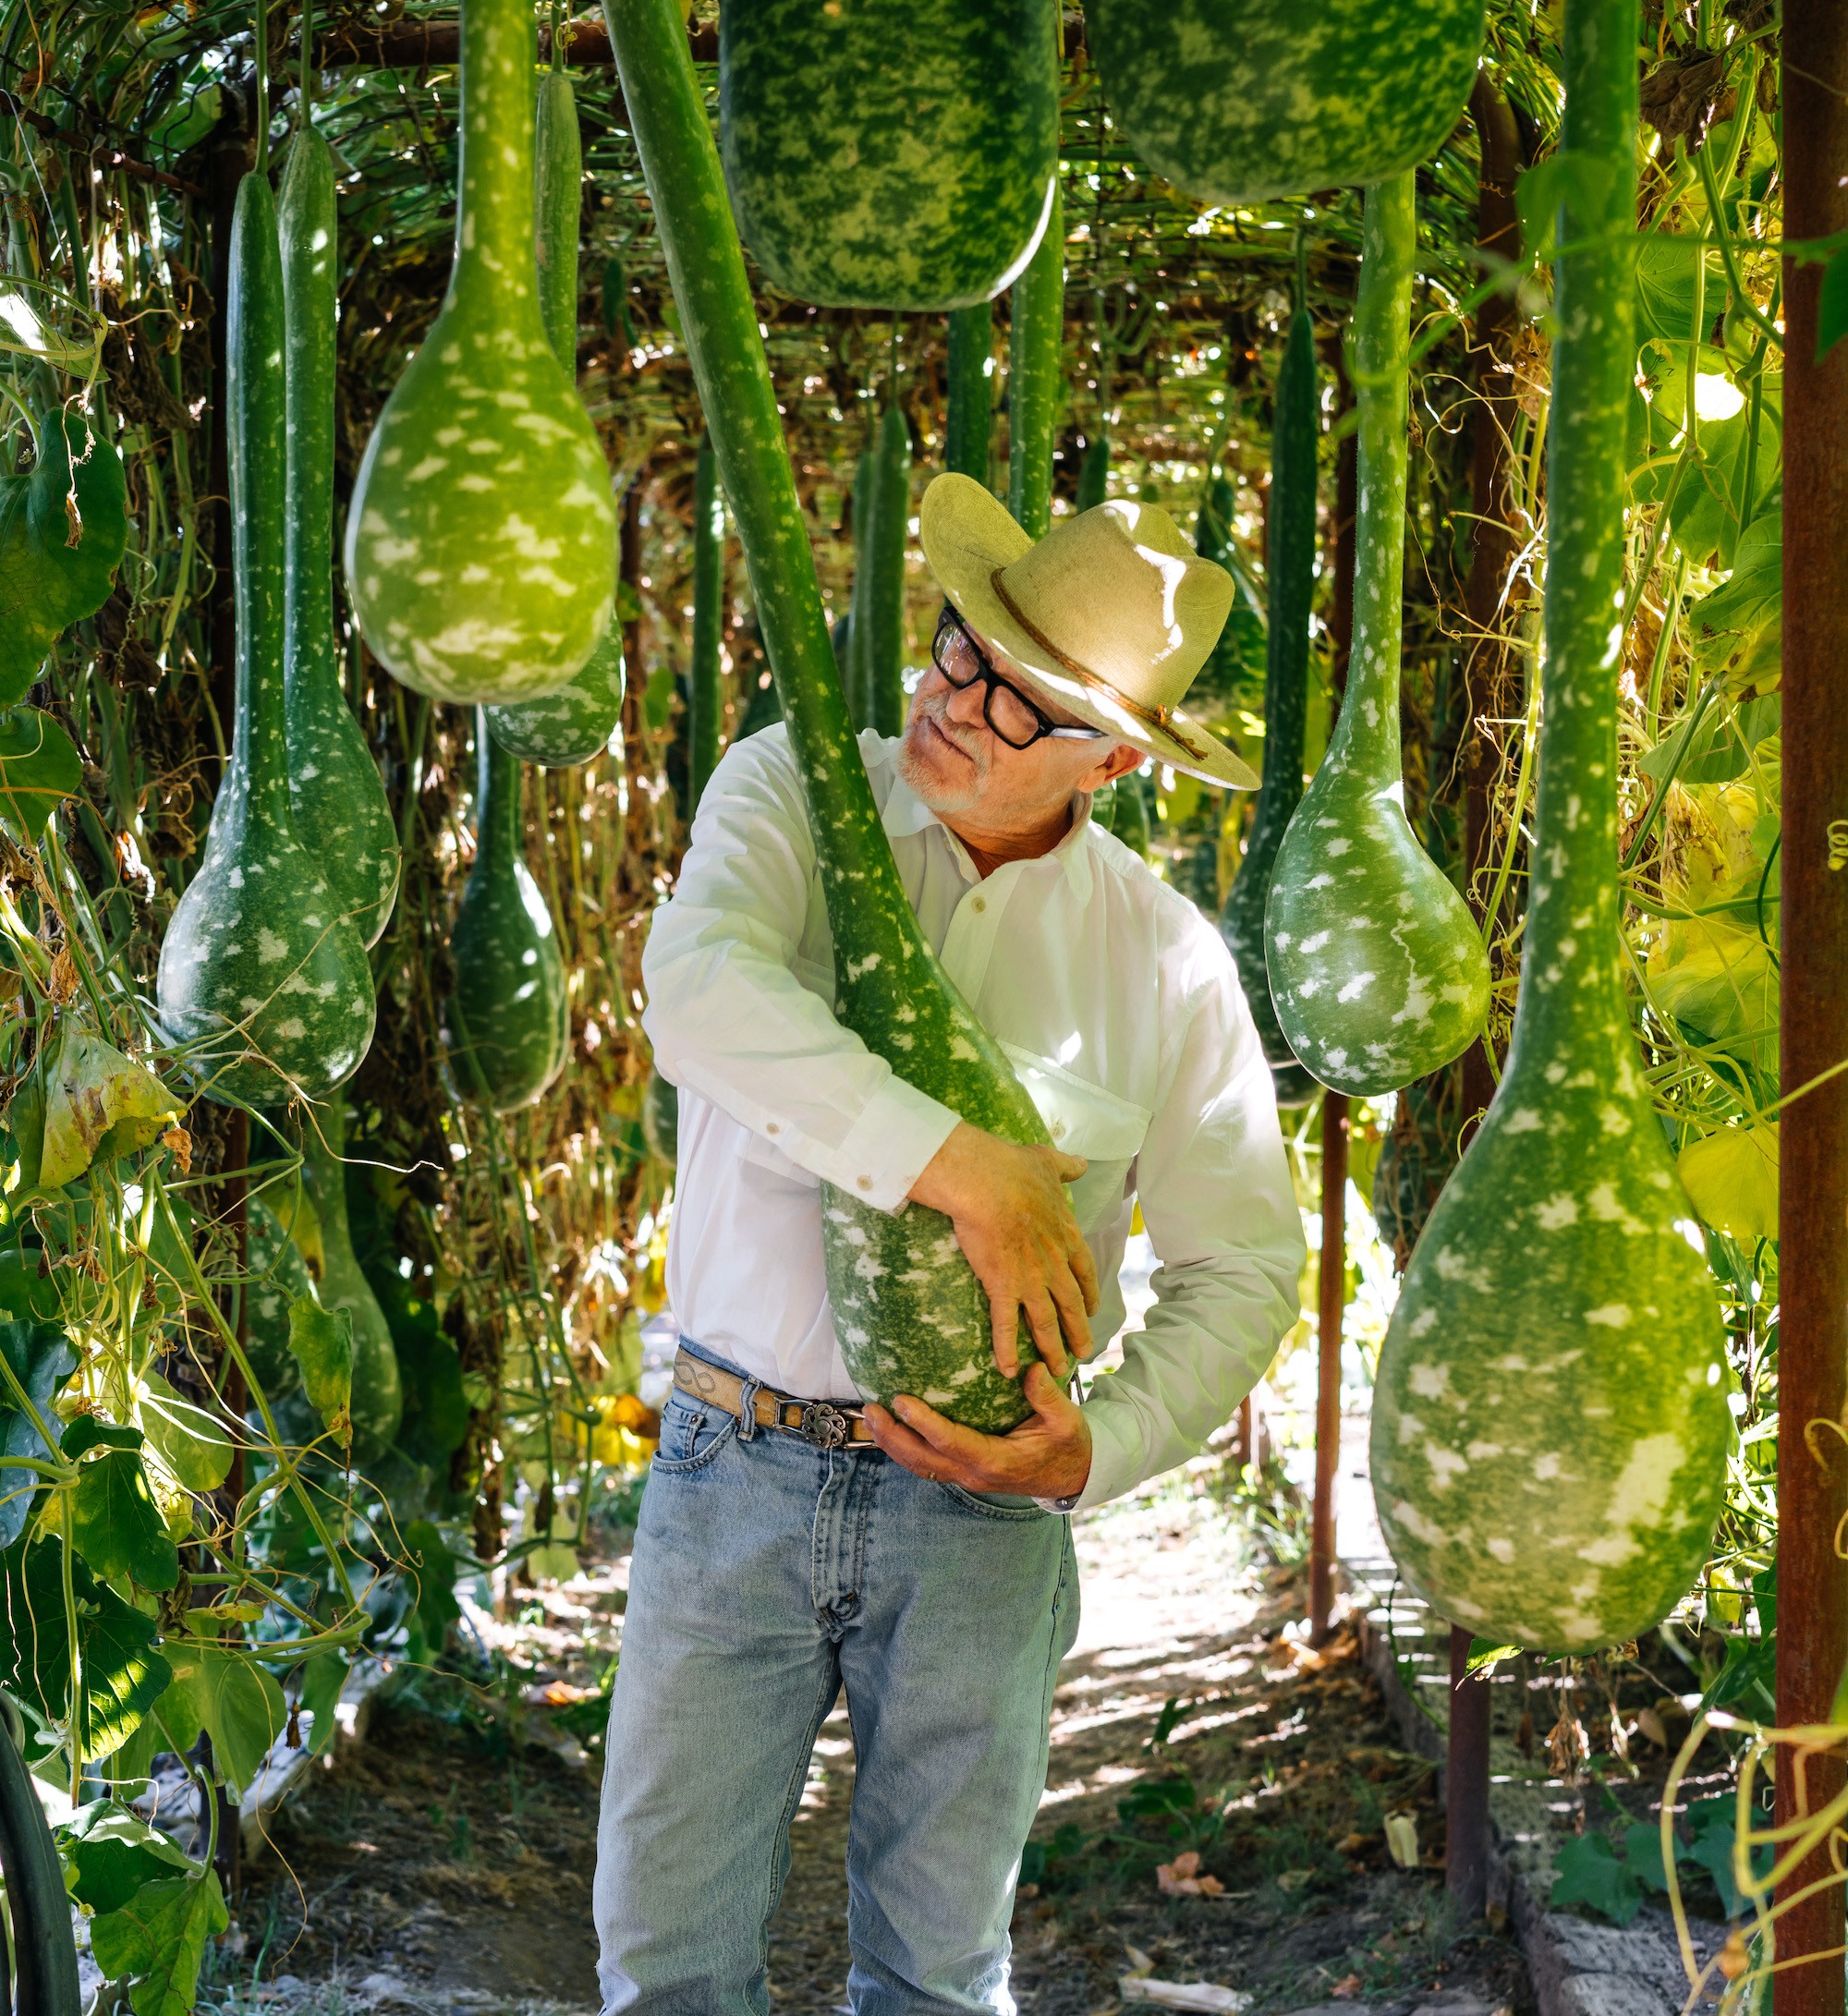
(768, 1573)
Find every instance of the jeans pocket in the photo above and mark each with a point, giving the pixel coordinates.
(995, 1504)
(691, 1435)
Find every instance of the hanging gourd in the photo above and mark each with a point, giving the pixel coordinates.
(889, 153)
(377, 1405)
(709, 613)
(969, 398)
(855, 682)
(279, 1276)
(480, 542)
(262, 973)
(908, 1312)
(337, 795)
(577, 721)
(1292, 582)
(1549, 1417)
(1280, 97)
(1035, 383)
(884, 667)
(1377, 969)
(509, 1031)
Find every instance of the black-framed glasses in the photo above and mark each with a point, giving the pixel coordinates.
(1006, 708)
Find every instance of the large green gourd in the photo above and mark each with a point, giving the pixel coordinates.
(1282, 97)
(909, 1314)
(969, 399)
(1033, 381)
(480, 544)
(1549, 1419)
(378, 1391)
(884, 666)
(889, 153)
(509, 1028)
(342, 815)
(1292, 582)
(261, 970)
(1377, 969)
(708, 597)
(577, 721)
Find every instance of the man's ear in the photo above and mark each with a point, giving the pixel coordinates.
(1122, 758)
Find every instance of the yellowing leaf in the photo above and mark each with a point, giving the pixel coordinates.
(1731, 1180)
(99, 1104)
(322, 1340)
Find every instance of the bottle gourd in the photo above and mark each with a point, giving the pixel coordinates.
(889, 153)
(1377, 969)
(508, 1019)
(909, 1314)
(1280, 97)
(1549, 1419)
(377, 1405)
(261, 971)
(480, 542)
(1291, 580)
(342, 815)
(577, 721)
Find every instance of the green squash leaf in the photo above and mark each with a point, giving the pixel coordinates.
(322, 1340)
(41, 1358)
(99, 1104)
(323, 1679)
(64, 527)
(115, 1526)
(87, 1433)
(1586, 1872)
(239, 1704)
(435, 1405)
(110, 1853)
(1741, 625)
(159, 1939)
(39, 768)
(189, 1441)
(1731, 1180)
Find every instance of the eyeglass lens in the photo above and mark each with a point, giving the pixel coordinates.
(1011, 717)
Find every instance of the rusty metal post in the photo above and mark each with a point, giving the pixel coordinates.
(1812, 1150)
(1332, 1302)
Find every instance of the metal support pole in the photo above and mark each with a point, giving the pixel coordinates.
(1813, 1149)
(1332, 1302)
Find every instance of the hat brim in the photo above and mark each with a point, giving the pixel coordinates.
(966, 533)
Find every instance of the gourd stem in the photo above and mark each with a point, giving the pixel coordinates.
(494, 208)
(1365, 740)
(497, 802)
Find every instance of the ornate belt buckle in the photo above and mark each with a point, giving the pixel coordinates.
(824, 1425)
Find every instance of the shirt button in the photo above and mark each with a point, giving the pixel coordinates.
(864, 1182)
(1058, 1130)
(773, 1127)
(980, 904)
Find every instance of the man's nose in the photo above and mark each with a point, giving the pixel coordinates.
(964, 705)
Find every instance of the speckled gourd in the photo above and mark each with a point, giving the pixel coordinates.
(1377, 969)
(576, 722)
(1291, 580)
(480, 542)
(507, 1023)
(909, 1314)
(889, 153)
(1280, 97)
(1035, 382)
(969, 395)
(262, 973)
(1549, 1418)
(340, 1283)
(342, 815)
(891, 501)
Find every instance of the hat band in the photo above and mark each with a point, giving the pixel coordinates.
(1160, 718)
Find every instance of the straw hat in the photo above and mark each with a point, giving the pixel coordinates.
(1109, 616)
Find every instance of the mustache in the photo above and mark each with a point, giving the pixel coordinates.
(933, 707)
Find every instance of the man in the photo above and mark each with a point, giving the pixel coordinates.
(790, 1542)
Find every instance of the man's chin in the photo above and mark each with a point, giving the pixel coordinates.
(927, 773)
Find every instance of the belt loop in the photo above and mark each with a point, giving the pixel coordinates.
(747, 1422)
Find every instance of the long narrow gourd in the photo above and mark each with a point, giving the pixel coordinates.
(1377, 969)
(43, 1950)
(969, 399)
(884, 666)
(378, 1388)
(577, 721)
(480, 543)
(1033, 381)
(856, 681)
(889, 153)
(1549, 1418)
(509, 1031)
(708, 595)
(1094, 470)
(1280, 97)
(909, 1314)
(1291, 572)
(342, 815)
(262, 973)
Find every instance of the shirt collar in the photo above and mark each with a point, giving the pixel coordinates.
(906, 814)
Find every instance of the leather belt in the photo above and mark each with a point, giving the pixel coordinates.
(824, 1423)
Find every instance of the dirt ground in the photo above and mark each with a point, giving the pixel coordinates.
(1216, 1810)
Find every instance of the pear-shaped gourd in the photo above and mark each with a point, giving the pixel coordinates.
(261, 972)
(577, 721)
(342, 815)
(1280, 97)
(481, 550)
(1291, 580)
(378, 1388)
(1377, 970)
(1549, 1418)
(508, 1028)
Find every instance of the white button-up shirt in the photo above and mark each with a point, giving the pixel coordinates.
(1116, 1000)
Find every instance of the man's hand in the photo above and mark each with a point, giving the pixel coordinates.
(1048, 1455)
(1013, 1222)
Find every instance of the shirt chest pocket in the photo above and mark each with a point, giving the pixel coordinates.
(1086, 1120)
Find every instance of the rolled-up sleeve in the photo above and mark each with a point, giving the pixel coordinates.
(1220, 1211)
(729, 1019)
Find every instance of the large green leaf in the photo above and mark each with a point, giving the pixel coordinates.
(189, 1441)
(99, 1104)
(322, 1340)
(111, 1854)
(41, 1358)
(158, 1938)
(115, 1526)
(435, 1405)
(239, 1704)
(63, 526)
(323, 1679)
(1740, 626)
(39, 768)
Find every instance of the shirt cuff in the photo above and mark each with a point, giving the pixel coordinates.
(1113, 1464)
(890, 1145)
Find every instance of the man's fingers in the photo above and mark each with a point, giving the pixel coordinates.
(1072, 1320)
(1048, 1399)
(903, 1444)
(1070, 1167)
(1083, 1267)
(1003, 1311)
(1042, 1320)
